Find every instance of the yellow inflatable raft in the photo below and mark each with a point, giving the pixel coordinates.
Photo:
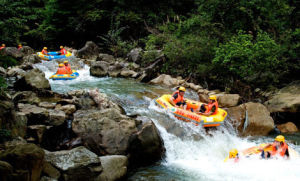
(188, 116)
(53, 55)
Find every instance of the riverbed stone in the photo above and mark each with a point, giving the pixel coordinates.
(128, 73)
(251, 119)
(69, 109)
(104, 131)
(56, 117)
(106, 58)
(26, 159)
(13, 52)
(114, 167)
(102, 100)
(34, 114)
(15, 71)
(165, 80)
(47, 105)
(76, 164)
(26, 97)
(288, 127)
(33, 80)
(146, 145)
(285, 100)
(99, 69)
(33, 58)
(228, 100)
(89, 51)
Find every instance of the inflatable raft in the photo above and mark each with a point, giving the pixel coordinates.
(53, 55)
(256, 150)
(72, 76)
(188, 116)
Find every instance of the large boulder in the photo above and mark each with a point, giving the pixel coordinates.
(26, 50)
(115, 70)
(99, 69)
(128, 73)
(285, 100)
(89, 51)
(106, 58)
(135, 55)
(288, 127)
(166, 80)
(27, 161)
(114, 167)
(13, 52)
(228, 100)
(102, 100)
(15, 72)
(34, 114)
(251, 119)
(76, 164)
(146, 145)
(26, 97)
(33, 80)
(104, 131)
(56, 117)
(32, 58)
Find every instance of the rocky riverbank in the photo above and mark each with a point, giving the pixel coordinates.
(85, 135)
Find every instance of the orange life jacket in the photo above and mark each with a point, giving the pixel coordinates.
(61, 70)
(44, 52)
(281, 150)
(63, 51)
(1, 48)
(179, 97)
(68, 69)
(209, 106)
(20, 48)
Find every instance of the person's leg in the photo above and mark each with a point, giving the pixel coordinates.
(263, 154)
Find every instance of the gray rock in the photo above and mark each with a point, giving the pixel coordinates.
(286, 100)
(34, 114)
(99, 69)
(135, 55)
(114, 167)
(14, 72)
(165, 80)
(26, 159)
(89, 51)
(228, 100)
(128, 73)
(106, 58)
(33, 80)
(104, 132)
(76, 164)
(2, 71)
(26, 50)
(69, 109)
(56, 117)
(47, 105)
(13, 52)
(26, 97)
(33, 58)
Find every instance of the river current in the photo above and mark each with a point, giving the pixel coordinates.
(192, 152)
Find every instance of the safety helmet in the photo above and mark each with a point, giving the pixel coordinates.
(61, 65)
(61, 47)
(181, 89)
(66, 61)
(233, 153)
(20, 45)
(279, 138)
(213, 97)
(3, 45)
(45, 48)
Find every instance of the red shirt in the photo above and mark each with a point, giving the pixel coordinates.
(63, 51)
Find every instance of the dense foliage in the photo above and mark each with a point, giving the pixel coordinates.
(211, 41)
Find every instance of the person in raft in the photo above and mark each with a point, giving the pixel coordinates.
(233, 155)
(278, 147)
(210, 108)
(44, 51)
(68, 67)
(63, 51)
(177, 99)
(20, 46)
(61, 69)
(2, 46)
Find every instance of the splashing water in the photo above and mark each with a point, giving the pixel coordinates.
(192, 152)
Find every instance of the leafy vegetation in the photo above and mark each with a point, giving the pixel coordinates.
(7, 61)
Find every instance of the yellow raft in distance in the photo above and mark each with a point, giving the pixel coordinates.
(188, 116)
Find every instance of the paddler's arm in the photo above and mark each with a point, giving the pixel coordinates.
(172, 101)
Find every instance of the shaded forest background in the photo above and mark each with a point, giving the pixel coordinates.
(223, 44)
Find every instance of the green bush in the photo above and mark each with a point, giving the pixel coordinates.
(7, 61)
(248, 59)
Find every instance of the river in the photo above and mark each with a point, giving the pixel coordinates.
(192, 152)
